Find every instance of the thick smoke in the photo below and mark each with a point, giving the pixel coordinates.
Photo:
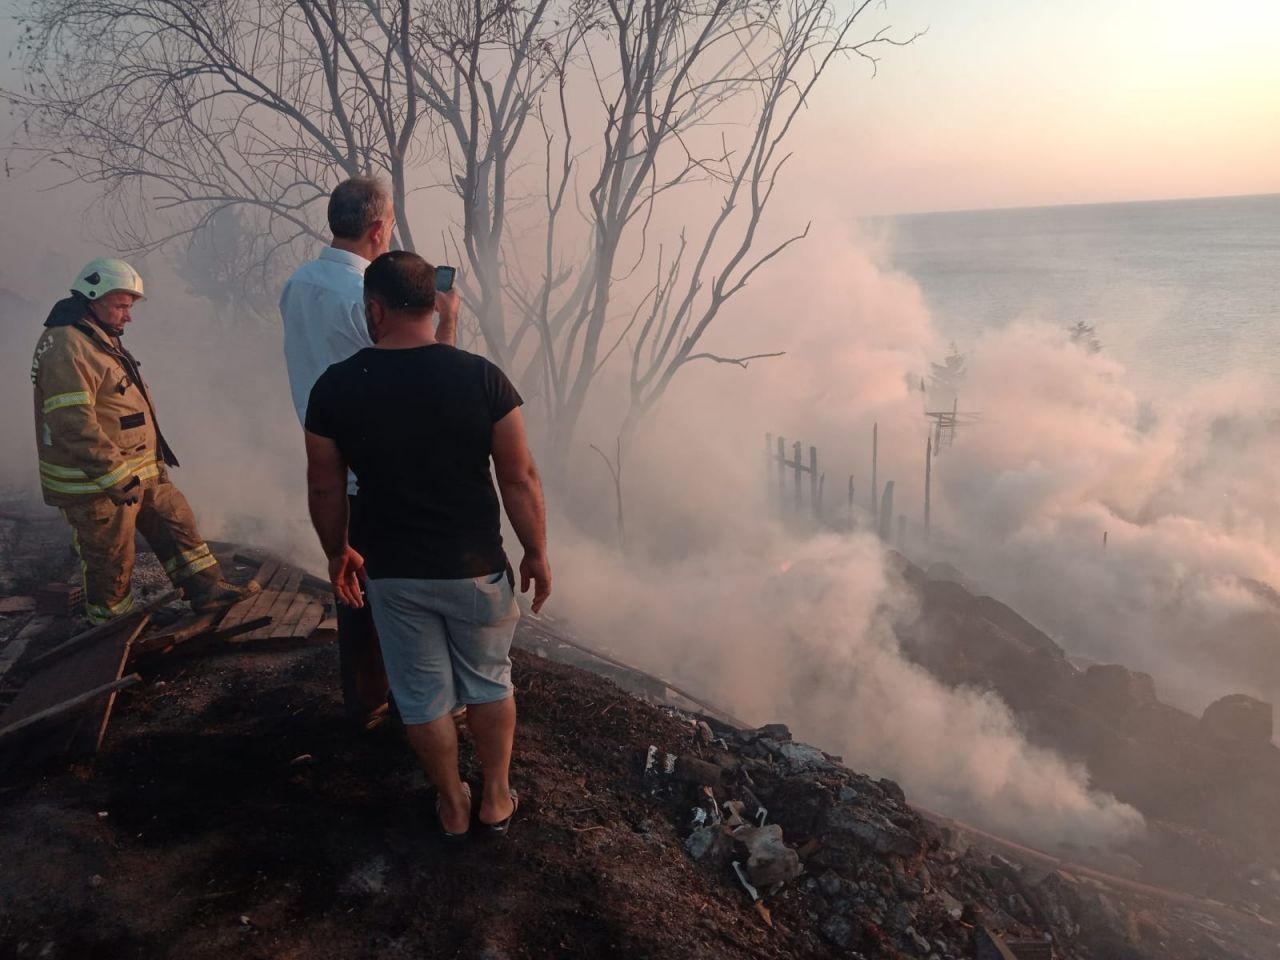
(776, 628)
(1181, 487)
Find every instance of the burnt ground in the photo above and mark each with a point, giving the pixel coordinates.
(200, 833)
(232, 812)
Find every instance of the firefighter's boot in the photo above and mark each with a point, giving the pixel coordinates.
(206, 595)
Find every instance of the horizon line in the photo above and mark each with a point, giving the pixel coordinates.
(1058, 206)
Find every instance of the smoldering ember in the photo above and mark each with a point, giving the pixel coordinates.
(182, 784)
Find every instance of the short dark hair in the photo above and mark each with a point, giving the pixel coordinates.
(355, 204)
(401, 281)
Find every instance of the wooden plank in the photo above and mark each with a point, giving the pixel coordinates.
(285, 590)
(152, 656)
(179, 632)
(86, 668)
(103, 629)
(287, 625)
(247, 609)
(15, 648)
(90, 737)
(310, 622)
(66, 706)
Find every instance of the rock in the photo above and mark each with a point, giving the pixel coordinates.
(769, 860)
(775, 731)
(949, 905)
(892, 790)
(904, 917)
(801, 756)
(1239, 718)
(840, 932)
(1116, 689)
(831, 884)
(708, 843)
(692, 770)
(869, 830)
(922, 946)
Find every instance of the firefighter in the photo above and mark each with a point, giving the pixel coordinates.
(103, 460)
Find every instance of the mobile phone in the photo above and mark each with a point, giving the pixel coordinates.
(444, 279)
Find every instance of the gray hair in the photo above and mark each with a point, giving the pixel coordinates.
(355, 204)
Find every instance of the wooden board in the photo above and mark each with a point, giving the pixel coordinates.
(91, 665)
(274, 599)
(256, 605)
(138, 614)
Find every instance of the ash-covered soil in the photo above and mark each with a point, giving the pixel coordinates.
(232, 812)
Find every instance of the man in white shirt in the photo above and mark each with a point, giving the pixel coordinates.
(324, 322)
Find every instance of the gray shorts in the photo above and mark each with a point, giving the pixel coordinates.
(445, 642)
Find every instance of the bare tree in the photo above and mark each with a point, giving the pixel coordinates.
(562, 126)
(664, 74)
(193, 108)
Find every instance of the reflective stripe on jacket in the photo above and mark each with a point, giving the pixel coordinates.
(95, 424)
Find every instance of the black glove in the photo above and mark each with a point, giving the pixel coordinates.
(126, 494)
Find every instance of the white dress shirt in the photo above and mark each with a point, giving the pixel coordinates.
(323, 310)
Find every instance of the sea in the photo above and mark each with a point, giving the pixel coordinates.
(1179, 291)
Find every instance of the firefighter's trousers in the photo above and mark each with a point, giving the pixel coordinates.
(104, 538)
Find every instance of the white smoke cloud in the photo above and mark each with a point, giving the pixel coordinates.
(811, 645)
(1066, 452)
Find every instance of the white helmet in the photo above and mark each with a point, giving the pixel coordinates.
(105, 275)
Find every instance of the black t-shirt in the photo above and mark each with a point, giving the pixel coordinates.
(416, 428)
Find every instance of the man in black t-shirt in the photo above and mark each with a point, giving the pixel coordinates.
(418, 422)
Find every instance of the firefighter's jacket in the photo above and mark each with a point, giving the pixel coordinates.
(95, 425)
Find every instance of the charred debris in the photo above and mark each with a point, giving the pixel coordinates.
(227, 810)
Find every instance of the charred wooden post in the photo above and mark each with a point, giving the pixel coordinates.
(799, 468)
(886, 512)
(928, 482)
(815, 492)
(875, 454)
(902, 533)
(817, 507)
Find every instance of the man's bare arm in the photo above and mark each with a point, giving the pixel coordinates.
(327, 502)
(447, 325)
(522, 498)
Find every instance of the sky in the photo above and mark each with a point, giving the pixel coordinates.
(1006, 103)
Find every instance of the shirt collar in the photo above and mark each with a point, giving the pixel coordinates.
(344, 257)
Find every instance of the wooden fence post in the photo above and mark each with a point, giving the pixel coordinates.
(886, 512)
(928, 481)
(875, 490)
(799, 467)
(815, 492)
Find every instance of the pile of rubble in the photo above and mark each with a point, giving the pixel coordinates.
(783, 819)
